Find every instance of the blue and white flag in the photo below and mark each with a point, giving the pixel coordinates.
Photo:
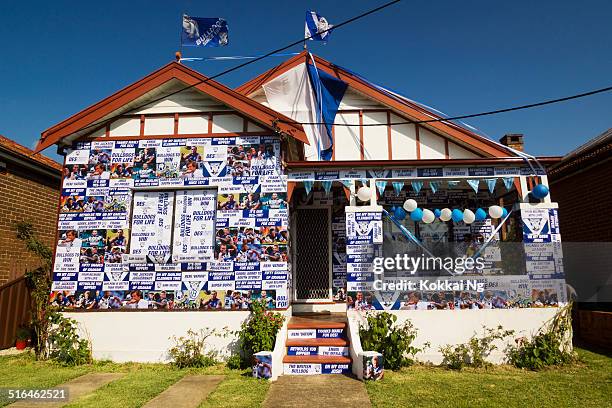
(316, 27)
(204, 32)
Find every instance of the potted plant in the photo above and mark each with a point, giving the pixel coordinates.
(23, 335)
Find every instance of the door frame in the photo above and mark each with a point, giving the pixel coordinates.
(295, 257)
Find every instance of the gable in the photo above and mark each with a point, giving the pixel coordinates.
(204, 109)
(365, 103)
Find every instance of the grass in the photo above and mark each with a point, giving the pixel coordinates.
(141, 382)
(585, 384)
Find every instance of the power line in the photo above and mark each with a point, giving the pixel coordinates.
(244, 64)
(473, 115)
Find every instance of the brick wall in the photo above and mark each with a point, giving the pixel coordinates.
(584, 203)
(584, 196)
(25, 196)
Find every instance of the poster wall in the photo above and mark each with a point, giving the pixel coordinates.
(172, 224)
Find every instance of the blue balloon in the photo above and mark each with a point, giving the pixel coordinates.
(504, 213)
(399, 213)
(480, 214)
(457, 215)
(416, 215)
(540, 191)
(437, 213)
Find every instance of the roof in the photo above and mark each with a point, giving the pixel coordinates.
(392, 100)
(99, 112)
(21, 152)
(592, 152)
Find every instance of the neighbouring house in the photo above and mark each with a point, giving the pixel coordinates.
(29, 185)
(184, 201)
(580, 182)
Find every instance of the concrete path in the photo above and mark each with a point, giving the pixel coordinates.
(317, 391)
(187, 392)
(77, 387)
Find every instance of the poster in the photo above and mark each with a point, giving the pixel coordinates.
(197, 224)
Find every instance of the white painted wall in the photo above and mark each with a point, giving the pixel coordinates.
(375, 138)
(458, 152)
(189, 125)
(442, 327)
(346, 146)
(227, 124)
(432, 145)
(159, 125)
(403, 140)
(125, 127)
(145, 336)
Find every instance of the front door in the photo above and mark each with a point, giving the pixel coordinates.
(312, 250)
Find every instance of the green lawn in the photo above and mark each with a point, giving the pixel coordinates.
(586, 384)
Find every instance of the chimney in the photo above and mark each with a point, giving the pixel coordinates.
(513, 140)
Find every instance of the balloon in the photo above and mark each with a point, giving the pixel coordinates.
(428, 216)
(495, 211)
(540, 191)
(446, 214)
(437, 213)
(364, 193)
(468, 216)
(410, 205)
(457, 215)
(480, 214)
(416, 215)
(399, 213)
(504, 213)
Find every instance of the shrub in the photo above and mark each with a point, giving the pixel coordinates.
(189, 350)
(550, 346)
(23, 333)
(65, 345)
(474, 353)
(394, 342)
(234, 362)
(258, 332)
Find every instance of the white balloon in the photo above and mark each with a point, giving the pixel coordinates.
(428, 216)
(410, 205)
(468, 216)
(495, 211)
(446, 214)
(364, 193)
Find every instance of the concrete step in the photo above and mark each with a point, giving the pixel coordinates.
(317, 351)
(317, 359)
(316, 333)
(324, 366)
(330, 342)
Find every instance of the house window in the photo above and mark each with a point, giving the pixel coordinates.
(173, 226)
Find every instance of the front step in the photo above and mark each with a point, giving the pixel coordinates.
(317, 344)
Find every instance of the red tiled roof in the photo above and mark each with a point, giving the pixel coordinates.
(24, 153)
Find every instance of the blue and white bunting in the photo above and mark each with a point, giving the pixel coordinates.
(434, 185)
(327, 184)
(508, 182)
(491, 184)
(417, 186)
(474, 183)
(397, 187)
(380, 186)
(308, 186)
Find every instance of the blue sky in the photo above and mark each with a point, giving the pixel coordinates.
(459, 57)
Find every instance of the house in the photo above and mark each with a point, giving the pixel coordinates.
(29, 185)
(583, 173)
(181, 194)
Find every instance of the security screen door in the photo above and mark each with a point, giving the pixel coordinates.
(312, 254)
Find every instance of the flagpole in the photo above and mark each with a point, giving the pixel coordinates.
(179, 54)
